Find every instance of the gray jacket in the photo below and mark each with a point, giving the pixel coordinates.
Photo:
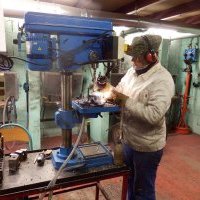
(149, 99)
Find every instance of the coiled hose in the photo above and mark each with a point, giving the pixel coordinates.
(6, 63)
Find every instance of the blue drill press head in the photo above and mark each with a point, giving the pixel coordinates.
(57, 42)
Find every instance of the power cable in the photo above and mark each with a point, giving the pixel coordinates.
(53, 181)
(6, 62)
(33, 63)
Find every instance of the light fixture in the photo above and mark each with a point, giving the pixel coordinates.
(35, 6)
(119, 29)
(164, 33)
(167, 33)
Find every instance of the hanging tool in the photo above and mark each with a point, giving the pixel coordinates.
(182, 126)
(190, 56)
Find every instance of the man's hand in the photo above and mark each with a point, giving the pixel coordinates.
(119, 97)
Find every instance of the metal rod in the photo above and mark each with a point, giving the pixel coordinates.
(66, 90)
(132, 30)
(192, 36)
(66, 99)
(124, 187)
(97, 193)
(103, 191)
(66, 190)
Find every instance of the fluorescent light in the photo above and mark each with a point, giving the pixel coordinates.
(2, 31)
(35, 6)
(164, 33)
(167, 33)
(119, 29)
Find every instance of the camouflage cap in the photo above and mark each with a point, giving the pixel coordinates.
(140, 47)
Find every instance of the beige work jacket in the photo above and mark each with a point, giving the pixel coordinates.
(150, 95)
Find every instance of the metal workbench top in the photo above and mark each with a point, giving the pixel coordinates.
(31, 178)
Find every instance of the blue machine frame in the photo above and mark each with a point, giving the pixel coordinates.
(72, 41)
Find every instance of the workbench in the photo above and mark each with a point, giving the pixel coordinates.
(31, 179)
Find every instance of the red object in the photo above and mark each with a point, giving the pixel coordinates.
(182, 127)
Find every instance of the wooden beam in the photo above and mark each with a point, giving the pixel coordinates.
(177, 10)
(189, 20)
(192, 20)
(137, 4)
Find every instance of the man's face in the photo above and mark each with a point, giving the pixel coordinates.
(136, 62)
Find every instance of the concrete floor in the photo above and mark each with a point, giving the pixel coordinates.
(178, 175)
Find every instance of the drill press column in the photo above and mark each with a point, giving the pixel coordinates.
(66, 99)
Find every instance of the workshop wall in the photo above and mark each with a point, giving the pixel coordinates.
(31, 120)
(11, 27)
(175, 66)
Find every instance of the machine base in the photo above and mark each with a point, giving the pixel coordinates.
(86, 156)
(58, 158)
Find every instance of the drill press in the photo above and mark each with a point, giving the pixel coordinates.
(64, 43)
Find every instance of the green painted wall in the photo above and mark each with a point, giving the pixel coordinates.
(176, 66)
(11, 26)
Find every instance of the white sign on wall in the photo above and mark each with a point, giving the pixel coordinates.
(2, 30)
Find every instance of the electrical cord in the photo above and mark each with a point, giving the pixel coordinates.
(86, 43)
(6, 62)
(33, 63)
(53, 181)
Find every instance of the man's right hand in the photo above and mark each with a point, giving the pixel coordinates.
(119, 97)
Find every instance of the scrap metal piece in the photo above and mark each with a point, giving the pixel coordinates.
(24, 154)
(40, 158)
(13, 162)
(20, 153)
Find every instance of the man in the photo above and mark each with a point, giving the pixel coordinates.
(145, 91)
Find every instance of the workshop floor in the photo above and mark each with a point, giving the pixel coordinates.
(178, 176)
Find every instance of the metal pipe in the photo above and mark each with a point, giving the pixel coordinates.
(132, 30)
(67, 138)
(66, 99)
(192, 36)
(66, 90)
(117, 18)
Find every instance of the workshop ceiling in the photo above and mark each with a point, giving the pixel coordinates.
(177, 11)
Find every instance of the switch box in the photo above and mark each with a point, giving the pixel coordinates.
(191, 55)
(113, 48)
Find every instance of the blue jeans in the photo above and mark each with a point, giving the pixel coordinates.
(141, 183)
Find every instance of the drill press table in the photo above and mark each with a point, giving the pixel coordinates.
(31, 179)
